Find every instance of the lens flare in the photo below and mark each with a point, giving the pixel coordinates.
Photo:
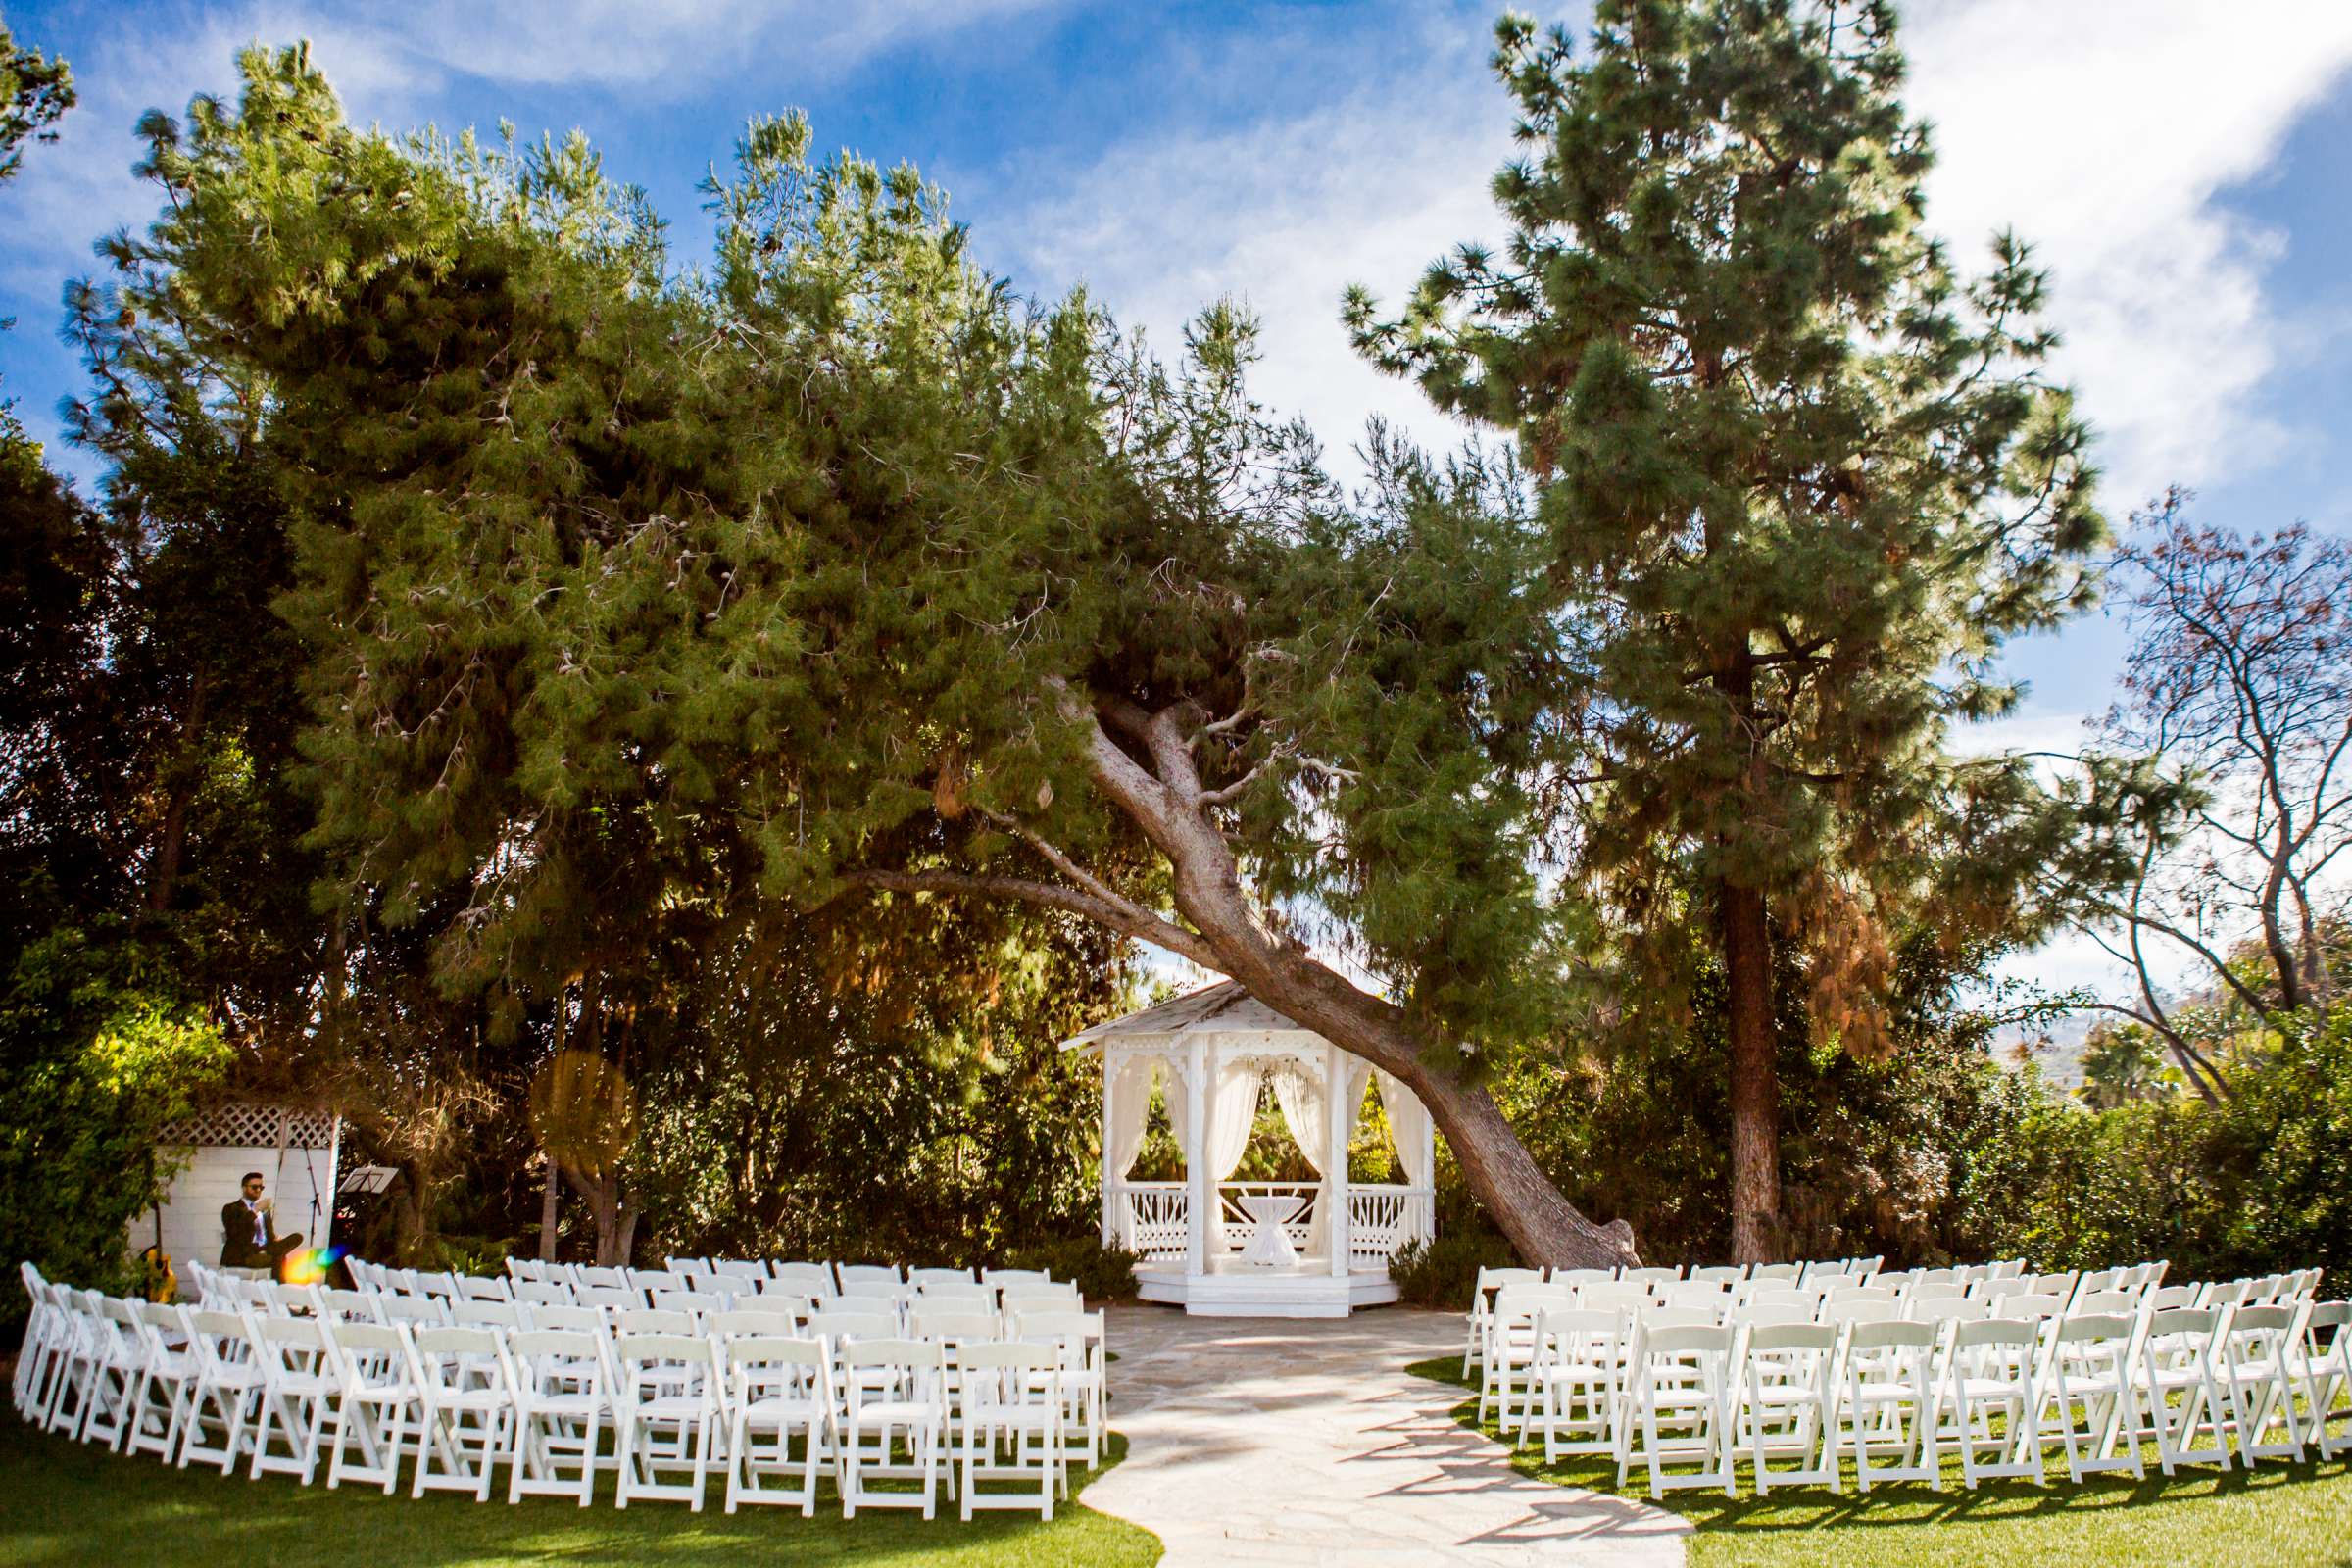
(311, 1264)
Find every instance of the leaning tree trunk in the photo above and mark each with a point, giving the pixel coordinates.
(1755, 1085)
(1158, 788)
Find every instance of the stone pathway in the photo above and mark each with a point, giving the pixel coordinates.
(1285, 1442)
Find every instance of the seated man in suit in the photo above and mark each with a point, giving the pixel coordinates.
(249, 1236)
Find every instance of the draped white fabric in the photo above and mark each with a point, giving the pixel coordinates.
(1232, 1108)
(1409, 1127)
(1130, 1111)
(1299, 1092)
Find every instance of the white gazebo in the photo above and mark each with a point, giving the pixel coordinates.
(1231, 1249)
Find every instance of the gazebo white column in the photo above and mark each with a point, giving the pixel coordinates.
(1201, 1182)
(1112, 1200)
(1335, 1157)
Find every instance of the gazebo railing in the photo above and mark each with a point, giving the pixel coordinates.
(1383, 1218)
(1153, 1217)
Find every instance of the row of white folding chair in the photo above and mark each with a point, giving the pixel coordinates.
(1513, 1340)
(1774, 1391)
(268, 1384)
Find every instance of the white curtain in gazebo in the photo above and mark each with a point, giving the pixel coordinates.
(1232, 1108)
(1409, 1127)
(1131, 1111)
(1300, 1092)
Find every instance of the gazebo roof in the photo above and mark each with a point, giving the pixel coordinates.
(1223, 1010)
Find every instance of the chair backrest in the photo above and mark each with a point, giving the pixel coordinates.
(957, 1290)
(1580, 1276)
(740, 1268)
(2166, 1297)
(1951, 1309)
(487, 1315)
(363, 1344)
(1769, 1296)
(1996, 1330)
(1566, 1327)
(1759, 1312)
(585, 1274)
(2033, 1305)
(1719, 1274)
(561, 1317)
(2096, 1304)
(482, 1288)
(1862, 1292)
(808, 1278)
(2257, 1326)
(1776, 1271)
(942, 1276)
(555, 1360)
(1892, 1334)
(543, 1292)
(1033, 1301)
(645, 1320)
(921, 1363)
(2182, 1329)
(1687, 1340)
(1611, 1295)
(1836, 1310)
(1651, 1276)
(751, 1322)
(1937, 1289)
(651, 1279)
(443, 1285)
(414, 1310)
(847, 1328)
(445, 1358)
(852, 1273)
(2093, 1326)
(613, 1297)
(948, 1322)
(350, 1305)
(1817, 1337)
(869, 1289)
(1015, 1276)
(659, 1365)
(690, 1301)
(1665, 1317)
(779, 1365)
(1710, 1294)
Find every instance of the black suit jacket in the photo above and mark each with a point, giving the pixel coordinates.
(236, 1237)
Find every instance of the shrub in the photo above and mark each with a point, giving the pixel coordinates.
(1442, 1273)
(1101, 1273)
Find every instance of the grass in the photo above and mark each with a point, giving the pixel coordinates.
(2280, 1516)
(65, 1503)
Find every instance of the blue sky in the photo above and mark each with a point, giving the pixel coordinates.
(2182, 165)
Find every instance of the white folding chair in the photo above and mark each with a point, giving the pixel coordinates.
(1083, 1342)
(299, 1384)
(73, 1381)
(560, 1392)
(1678, 1378)
(168, 1369)
(1509, 1355)
(121, 1351)
(921, 1277)
(1010, 1426)
(894, 1388)
(1990, 1371)
(2251, 1366)
(465, 1390)
(2176, 1363)
(777, 1385)
(1481, 1308)
(1890, 1402)
(667, 1405)
(1578, 1370)
(380, 1405)
(483, 1288)
(2088, 1370)
(226, 1382)
(1787, 1405)
(2320, 1359)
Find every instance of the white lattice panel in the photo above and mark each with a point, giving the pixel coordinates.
(248, 1126)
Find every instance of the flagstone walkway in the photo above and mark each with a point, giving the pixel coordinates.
(1283, 1442)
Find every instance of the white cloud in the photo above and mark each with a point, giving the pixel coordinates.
(2102, 130)
(1383, 170)
(676, 48)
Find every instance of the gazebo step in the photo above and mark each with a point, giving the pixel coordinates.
(1238, 1290)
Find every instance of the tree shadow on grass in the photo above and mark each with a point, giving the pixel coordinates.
(2101, 1498)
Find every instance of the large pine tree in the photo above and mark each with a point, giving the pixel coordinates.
(1797, 480)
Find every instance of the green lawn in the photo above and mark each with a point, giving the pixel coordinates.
(62, 1502)
(2279, 1517)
